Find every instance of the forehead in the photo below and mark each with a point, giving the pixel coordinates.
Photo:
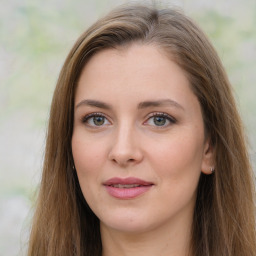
(137, 64)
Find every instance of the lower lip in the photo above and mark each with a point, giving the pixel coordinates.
(127, 193)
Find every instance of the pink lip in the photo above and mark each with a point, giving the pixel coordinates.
(127, 193)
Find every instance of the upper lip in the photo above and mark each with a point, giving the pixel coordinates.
(127, 181)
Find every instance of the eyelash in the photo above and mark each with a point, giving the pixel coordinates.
(152, 115)
(171, 119)
(87, 117)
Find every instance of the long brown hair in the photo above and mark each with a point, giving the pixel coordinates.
(224, 216)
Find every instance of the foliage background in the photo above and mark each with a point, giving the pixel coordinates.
(35, 37)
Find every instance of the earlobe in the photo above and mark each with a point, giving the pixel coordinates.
(209, 171)
(208, 159)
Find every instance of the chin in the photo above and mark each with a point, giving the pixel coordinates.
(128, 227)
(127, 223)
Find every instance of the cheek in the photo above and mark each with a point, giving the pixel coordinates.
(178, 156)
(89, 159)
(87, 154)
(178, 165)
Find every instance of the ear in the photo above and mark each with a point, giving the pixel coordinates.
(208, 163)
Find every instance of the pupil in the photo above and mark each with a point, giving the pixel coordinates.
(159, 120)
(98, 120)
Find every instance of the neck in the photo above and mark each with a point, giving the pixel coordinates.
(162, 241)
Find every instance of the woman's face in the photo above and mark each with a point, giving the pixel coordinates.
(138, 141)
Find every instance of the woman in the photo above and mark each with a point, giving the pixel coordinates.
(145, 152)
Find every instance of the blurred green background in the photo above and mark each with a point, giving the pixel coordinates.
(35, 37)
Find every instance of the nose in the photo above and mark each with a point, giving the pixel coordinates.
(125, 150)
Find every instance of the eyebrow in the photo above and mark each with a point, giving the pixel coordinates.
(94, 103)
(141, 105)
(159, 103)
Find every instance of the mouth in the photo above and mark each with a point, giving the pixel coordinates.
(126, 185)
(127, 188)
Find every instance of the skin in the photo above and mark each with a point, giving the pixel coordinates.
(128, 142)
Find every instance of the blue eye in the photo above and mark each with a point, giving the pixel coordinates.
(95, 120)
(160, 120)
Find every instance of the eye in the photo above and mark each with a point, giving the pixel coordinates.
(160, 120)
(95, 120)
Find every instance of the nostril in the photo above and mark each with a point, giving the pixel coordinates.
(124, 153)
(123, 161)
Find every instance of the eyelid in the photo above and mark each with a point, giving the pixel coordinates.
(163, 114)
(86, 117)
(170, 118)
